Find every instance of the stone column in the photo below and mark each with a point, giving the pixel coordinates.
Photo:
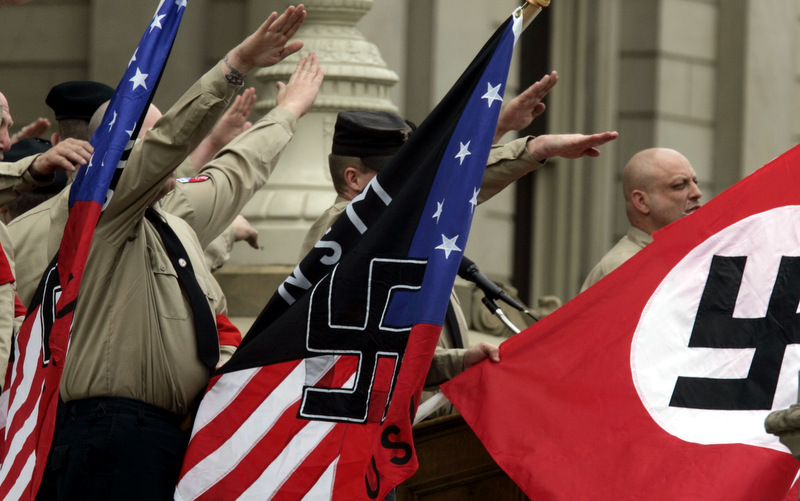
(769, 91)
(300, 189)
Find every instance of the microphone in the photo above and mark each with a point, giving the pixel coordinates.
(469, 271)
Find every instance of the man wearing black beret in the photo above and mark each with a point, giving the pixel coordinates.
(74, 103)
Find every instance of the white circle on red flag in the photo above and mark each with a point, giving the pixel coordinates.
(660, 350)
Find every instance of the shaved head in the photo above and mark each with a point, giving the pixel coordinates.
(660, 187)
(153, 114)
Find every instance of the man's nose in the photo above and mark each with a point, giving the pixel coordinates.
(696, 193)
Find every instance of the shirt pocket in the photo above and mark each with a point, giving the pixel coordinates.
(170, 300)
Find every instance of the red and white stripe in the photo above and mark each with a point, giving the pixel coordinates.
(248, 443)
(22, 399)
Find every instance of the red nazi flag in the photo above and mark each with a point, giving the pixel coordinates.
(655, 382)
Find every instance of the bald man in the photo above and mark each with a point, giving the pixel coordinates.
(660, 186)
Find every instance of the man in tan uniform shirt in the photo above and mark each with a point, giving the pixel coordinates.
(232, 123)
(132, 371)
(209, 202)
(660, 187)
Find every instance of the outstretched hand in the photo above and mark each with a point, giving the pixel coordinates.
(243, 230)
(520, 111)
(300, 93)
(568, 145)
(479, 353)
(65, 156)
(33, 129)
(234, 121)
(268, 45)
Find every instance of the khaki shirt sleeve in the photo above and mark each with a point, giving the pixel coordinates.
(161, 150)
(321, 225)
(186, 169)
(225, 353)
(235, 174)
(447, 363)
(218, 251)
(507, 163)
(15, 179)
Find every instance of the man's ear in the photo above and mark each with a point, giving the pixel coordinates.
(55, 138)
(640, 201)
(351, 179)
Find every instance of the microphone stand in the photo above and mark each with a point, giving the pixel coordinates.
(469, 271)
(498, 312)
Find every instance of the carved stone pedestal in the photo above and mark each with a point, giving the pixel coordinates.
(300, 189)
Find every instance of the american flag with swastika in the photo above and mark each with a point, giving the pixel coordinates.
(317, 402)
(39, 350)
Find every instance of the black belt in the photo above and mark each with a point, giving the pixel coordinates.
(100, 406)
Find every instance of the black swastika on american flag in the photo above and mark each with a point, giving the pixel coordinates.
(357, 327)
(715, 327)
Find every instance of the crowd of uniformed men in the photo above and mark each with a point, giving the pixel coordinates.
(146, 334)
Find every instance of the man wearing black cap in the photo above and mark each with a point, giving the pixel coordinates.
(25, 174)
(74, 103)
(363, 141)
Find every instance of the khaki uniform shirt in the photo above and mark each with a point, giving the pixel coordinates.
(208, 206)
(219, 250)
(506, 164)
(15, 179)
(133, 334)
(630, 244)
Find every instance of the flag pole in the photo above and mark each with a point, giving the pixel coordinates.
(529, 10)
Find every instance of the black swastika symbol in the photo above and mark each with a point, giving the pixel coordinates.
(357, 327)
(715, 327)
